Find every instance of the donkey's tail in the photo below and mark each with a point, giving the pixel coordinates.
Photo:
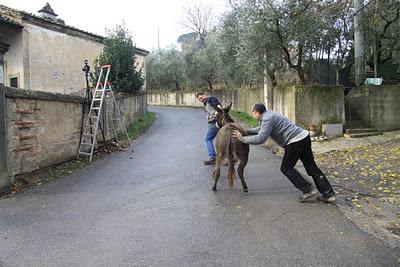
(231, 170)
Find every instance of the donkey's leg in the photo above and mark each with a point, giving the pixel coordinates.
(240, 173)
(217, 172)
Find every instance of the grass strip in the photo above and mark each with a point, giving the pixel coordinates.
(244, 117)
(139, 126)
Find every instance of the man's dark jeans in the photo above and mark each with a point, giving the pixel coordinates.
(302, 150)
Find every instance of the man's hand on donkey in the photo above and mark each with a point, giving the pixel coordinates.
(237, 134)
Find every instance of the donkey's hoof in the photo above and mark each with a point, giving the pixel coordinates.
(246, 190)
(214, 188)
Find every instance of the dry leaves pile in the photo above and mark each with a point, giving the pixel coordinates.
(108, 147)
(367, 179)
(46, 174)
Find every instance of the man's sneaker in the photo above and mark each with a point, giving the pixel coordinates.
(308, 195)
(327, 199)
(209, 162)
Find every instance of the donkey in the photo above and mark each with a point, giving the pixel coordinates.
(230, 149)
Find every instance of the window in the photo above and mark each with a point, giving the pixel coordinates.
(14, 82)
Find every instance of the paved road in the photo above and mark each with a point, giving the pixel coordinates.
(157, 209)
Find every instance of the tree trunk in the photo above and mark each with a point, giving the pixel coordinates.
(329, 64)
(209, 84)
(286, 54)
(338, 62)
(337, 75)
(300, 72)
(272, 77)
(299, 66)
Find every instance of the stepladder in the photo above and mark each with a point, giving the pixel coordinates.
(103, 98)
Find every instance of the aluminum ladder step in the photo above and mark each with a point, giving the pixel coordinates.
(85, 153)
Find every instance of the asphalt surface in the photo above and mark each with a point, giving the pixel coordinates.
(158, 209)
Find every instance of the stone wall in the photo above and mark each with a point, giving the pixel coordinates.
(283, 100)
(173, 98)
(319, 105)
(378, 106)
(131, 107)
(384, 104)
(301, 104)
(188, 98)
(41, 130)
(44, 128)
(4, 180)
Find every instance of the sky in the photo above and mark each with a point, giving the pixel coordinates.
(142, 17)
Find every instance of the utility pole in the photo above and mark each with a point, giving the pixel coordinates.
(266, 97)
(359, 42)
(158, 39)
(375, 41)
(158, 44)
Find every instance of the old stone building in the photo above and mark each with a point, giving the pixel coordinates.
(43, 53)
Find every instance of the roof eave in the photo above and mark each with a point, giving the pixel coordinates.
(27, 17)
(10, 22)
(141, 51)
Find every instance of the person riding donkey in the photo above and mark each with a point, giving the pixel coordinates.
(297, 144)
(211, 105)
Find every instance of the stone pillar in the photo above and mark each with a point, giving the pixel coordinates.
(4, 179)
(359, 43)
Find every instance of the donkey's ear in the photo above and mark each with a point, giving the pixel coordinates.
(228, 108)
(217, 108)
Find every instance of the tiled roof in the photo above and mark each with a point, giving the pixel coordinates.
(8, 20)
(8, 15)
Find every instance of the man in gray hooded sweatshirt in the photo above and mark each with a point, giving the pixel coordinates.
(297, 144)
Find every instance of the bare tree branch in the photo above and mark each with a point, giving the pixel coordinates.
(199, 19)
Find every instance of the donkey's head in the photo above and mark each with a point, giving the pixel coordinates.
(223, 116)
